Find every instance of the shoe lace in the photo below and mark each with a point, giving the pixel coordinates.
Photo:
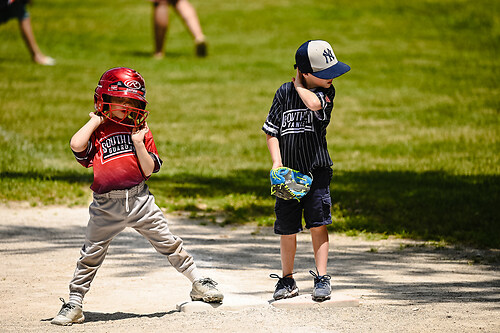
(66, 306)
(320, 281)
(281, 280)
(208, 282)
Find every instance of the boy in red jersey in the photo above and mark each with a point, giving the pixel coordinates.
(118, 144)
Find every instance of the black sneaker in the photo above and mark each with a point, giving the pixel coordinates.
(285, 288)
(201, 49)
(322, 288)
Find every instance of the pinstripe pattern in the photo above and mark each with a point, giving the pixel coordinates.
(300, 131)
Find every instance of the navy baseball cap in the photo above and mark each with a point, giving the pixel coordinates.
(317, 58)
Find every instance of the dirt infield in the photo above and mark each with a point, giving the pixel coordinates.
(402, 285)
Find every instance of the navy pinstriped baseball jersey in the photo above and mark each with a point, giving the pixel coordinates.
(301, 132)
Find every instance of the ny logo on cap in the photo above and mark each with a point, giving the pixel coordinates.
(328, 54)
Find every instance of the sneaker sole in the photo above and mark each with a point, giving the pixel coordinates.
(68, 323)
(208, 299)
(290, 295)
(321, 298)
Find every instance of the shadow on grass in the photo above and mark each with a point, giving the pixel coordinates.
(245, 182)
(429, 206)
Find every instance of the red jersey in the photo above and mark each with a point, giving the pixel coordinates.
(111, 153)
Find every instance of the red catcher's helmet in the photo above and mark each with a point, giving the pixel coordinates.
(122, 82)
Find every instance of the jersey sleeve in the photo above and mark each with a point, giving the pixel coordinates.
(153, 152)
(326, 98)
(86, 157)
(272, 124)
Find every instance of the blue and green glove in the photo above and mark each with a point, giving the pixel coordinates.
(289, 184)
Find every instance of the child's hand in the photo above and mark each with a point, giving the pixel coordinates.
(98, 119)
(277, 165)
(298, 80)
(138, 133)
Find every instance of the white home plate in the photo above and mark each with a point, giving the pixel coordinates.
(238, 302)
(305, 301)
(231, 303)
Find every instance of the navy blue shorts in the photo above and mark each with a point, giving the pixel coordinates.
(15, 10)
(315, 206)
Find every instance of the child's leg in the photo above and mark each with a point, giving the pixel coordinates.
(288, 223)
(288, 248)
(152, 224)
(317, 214)
(101, 229)
(322, 288)
(320, 243)
(171, 246)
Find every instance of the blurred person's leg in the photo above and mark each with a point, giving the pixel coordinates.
(160, 21)
(29, 39)
(188, 14)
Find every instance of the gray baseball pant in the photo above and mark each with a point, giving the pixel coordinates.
(110, 213)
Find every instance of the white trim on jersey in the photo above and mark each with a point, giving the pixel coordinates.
(322, 115)
(270, 128)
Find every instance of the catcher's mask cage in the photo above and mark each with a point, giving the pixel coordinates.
(125, 83)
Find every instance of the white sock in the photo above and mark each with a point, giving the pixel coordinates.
(192, 274)
(76, 299)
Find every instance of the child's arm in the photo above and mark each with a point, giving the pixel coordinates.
(308, 97)
(274, 149)
(145, 160)
(80, 139)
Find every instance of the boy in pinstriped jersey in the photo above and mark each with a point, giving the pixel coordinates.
(296, 138)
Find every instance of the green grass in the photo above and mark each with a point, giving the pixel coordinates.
(415, 132)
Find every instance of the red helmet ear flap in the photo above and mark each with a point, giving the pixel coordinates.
(98, 103)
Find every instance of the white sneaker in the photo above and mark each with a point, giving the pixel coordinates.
(204, 290)
(44, 60)
(48, 61)
(70, 313)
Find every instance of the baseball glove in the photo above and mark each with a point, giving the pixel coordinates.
(289, 184)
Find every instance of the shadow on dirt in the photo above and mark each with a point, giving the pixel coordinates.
(101, 316)
(353, 266)
(416, 277)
